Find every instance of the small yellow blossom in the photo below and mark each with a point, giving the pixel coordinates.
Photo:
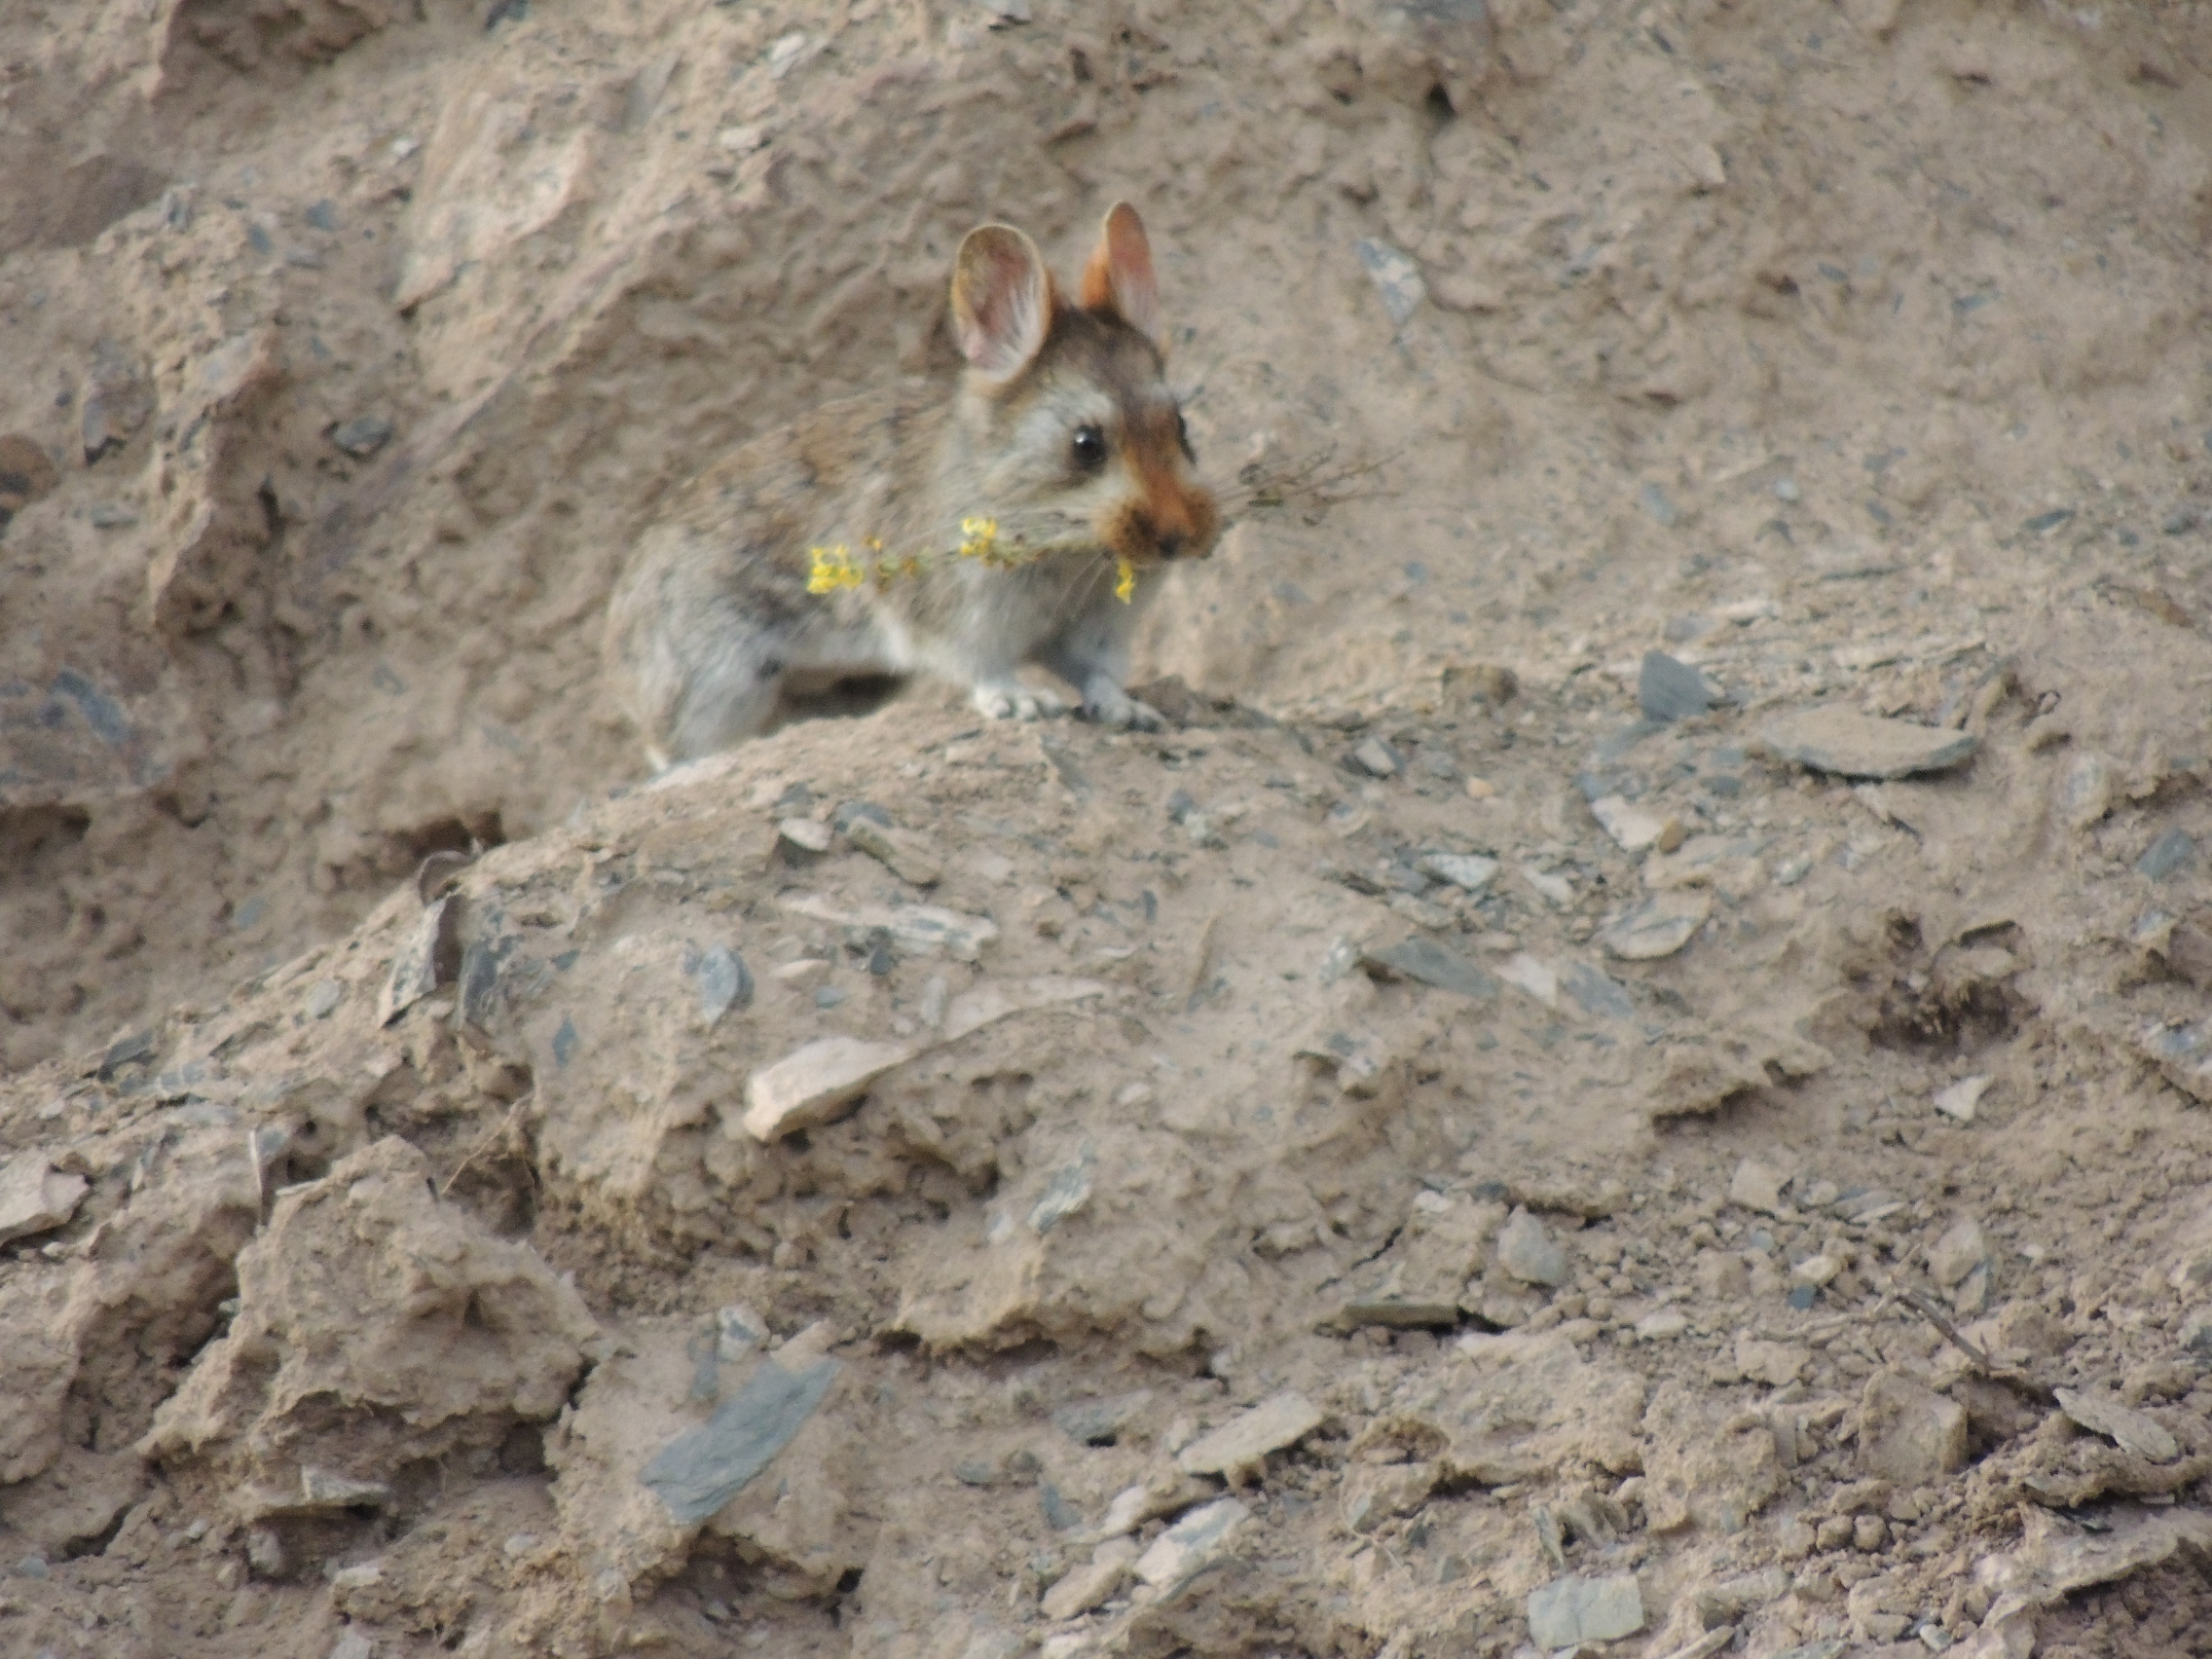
(830, 568)
(1125, 580)
(979, 538)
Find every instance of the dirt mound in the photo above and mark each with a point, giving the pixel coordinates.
(1629, 1069)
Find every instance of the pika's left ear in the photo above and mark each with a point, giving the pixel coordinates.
(1119, 278)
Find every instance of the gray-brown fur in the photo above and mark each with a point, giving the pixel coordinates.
(711, 624)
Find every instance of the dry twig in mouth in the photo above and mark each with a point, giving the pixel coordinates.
(1313, 481)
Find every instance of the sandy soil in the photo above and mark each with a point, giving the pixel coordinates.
(1417, 1144)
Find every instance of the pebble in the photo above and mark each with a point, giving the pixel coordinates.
(1907, 1432)
(110, 515)
(1088, 1587)
(2170, 852)
(723, 980)
(813, 1085)
(1527, 1252)
(906, 854)
(1244, 1443)
(1479, 789)
(1658, 927)
(362, 436)
(916, 927)
(1598, 994)
(699, 1471)
(1757, 1186)
(1555, 890)
(31, 1566)
(1396, 277)
(1785, 490)
(1432, 964)
(2083, 791)
(1667, 689)
(1962, 1097)
(804, 835)
(353, 1645)
(1662, 1326)
(35, 1196)
(357, 1577)
(1653, 500)
(1377, 760)
(1466, 870)
(1575, 1610)
(1851, 744)
(2133, 1431)
(1956, 1254)
(1530, 974)
(1186, 1546)
(1636, 827)
(324, 998)
(429, 957)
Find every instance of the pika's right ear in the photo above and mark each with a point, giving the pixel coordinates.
(1002, 301)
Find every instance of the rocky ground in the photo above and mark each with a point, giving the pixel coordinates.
(1629, 1071)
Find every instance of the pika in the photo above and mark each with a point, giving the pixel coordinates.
(1060, 453)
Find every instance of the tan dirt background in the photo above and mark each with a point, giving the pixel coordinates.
(1856, 353)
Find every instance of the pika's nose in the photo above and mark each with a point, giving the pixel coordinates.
(1171, 543)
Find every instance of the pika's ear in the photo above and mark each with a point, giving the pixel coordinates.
(1119, 278)
(1002, 301)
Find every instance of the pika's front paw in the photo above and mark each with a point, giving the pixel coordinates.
(1010, 700)
(1116, 708)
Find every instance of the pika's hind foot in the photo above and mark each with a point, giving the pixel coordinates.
(1010, 700)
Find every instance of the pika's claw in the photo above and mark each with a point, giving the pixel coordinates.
(1117, 708)
(1010, 700)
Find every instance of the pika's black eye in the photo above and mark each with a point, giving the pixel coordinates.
(1183, 437)
(1089, 448)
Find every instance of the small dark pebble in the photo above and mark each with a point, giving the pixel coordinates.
(1667, 689)
(2168, 853)
(1801, 1298)
(362, 436)
(322, 216)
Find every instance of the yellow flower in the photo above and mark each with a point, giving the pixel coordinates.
(830, 568)
(978, 537)
(1125, 583)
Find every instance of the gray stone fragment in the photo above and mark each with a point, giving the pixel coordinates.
(1575, 1610)
(2170, 852)
(35, 1196)
(1956, 1254)
(429, 956)
(725, 981)
(1757, 1186)
(1246, 1439)
(2083, 791)
(904, 852)
(814, 1083)
(1088, 1587)
(1469, 871)
(1432, 964)
(1852, 744)
(1396, 277)
(1527, 1252)
(2131, 1430)
(1667, 689)
(353, 1644)
(1653, 500)
(1658, 927)
(1596, 993)
(362, 436)
(1376, 758)
(1907, 1432)
(1186, 1545)
(696, 1473)
(804, 835)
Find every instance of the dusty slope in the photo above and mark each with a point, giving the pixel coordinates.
(1856, 354)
